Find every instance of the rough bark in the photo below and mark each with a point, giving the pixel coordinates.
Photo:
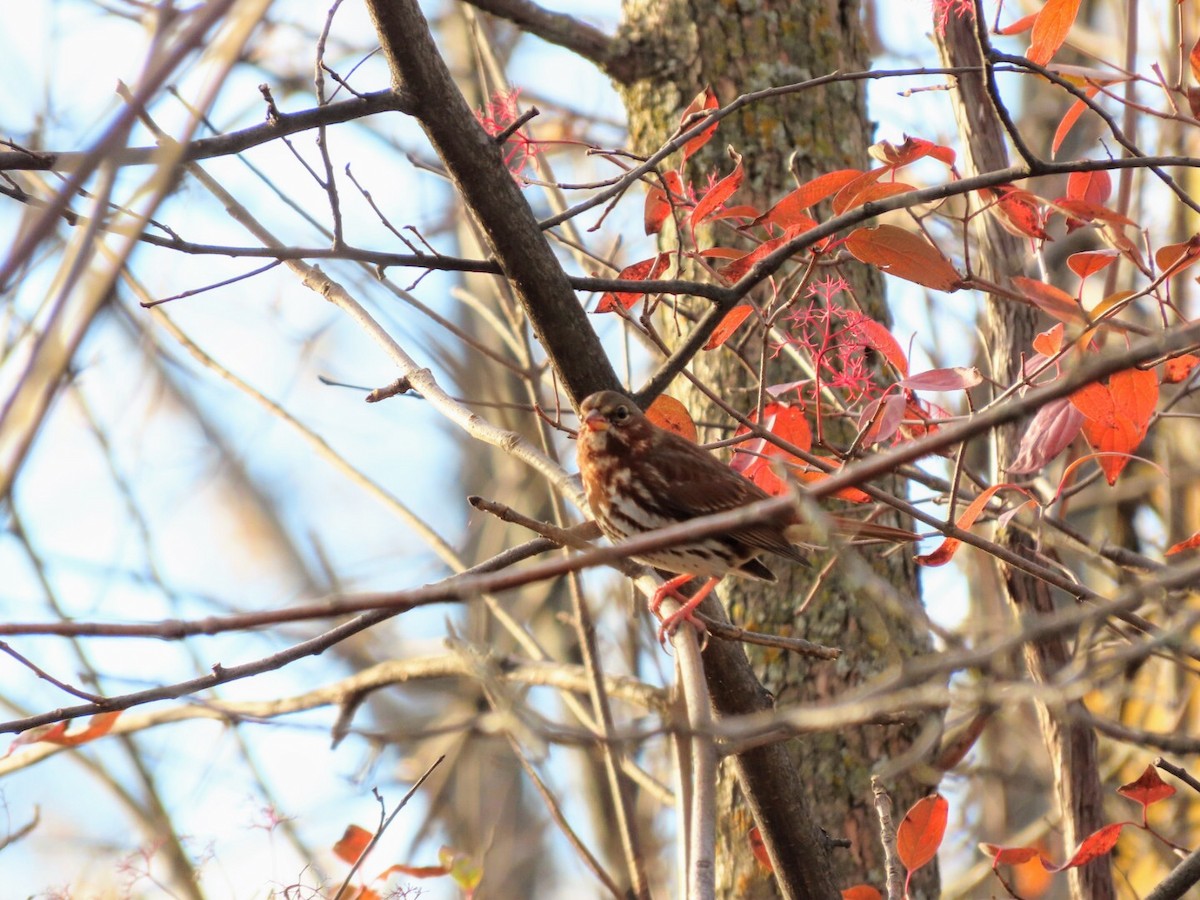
(736, 48)
(1010, 328)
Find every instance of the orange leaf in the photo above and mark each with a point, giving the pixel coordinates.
(646, 269)
(703, 102)
(921, 832)
(1090, 187)
(1050, 29)
(1089, 262)
(790, 210)
(759, 849)
(946, 550)
(1068, 121)
(1094, 845)
(719, 192)
(843, 198)
(811, 476)
(875, 192)
(1179, 368)
(912, 149)
(1020, 26)
(861, 892)
(1135, 392)
(97, 726)
(1051, 300)
(1174, 258)
(1018, 211)
(740, 266)
(668, 413)
(414, 871)
(1194, 60)
(1190, 544)
(728, 325)
(879, 338)
(353, 844)
(658, 203)
(1009, 856)
(1049, 342)
(905, 255)
(1117, 416)
(1147, 789)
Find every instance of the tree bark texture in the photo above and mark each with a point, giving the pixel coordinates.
(1010, 329)
(737, 47)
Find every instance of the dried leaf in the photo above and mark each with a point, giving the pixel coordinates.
(905, 255)
(958, 378)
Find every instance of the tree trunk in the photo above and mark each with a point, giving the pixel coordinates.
(737, 48)
(1071, 745)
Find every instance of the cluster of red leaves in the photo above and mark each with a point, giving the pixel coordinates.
(500, 113)
(1147, 789)
(356, 841)
(921, 832)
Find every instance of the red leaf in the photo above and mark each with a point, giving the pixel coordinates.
(353, 844)
(812, 476)
(1049, 434)
(658, 204)
(1190, 544)
(1118, 416)
(667, 412)
(843, 198)
(754, 458)
(1020, 26)
(1050, 29)
(1135, 392)
(788, 211)
(1068, 121)
(1049, 342)
(879, 338)
(873, 192)
(912, 149)
(1010, 856)
(759, 849)
(1090, 187)
(1051, 300)
(946, 550)
(704, 101)
(1180, 368)
(921, 832)
(646, 269)
(97, 726)
(740, 266)
(1083, 211)
(1020, 212)
(1194, 60)
(728, 325)
(1089, 262)
(719, 192)
(1093, 846)
(958, 378)
(861, 892)
(905, 255)
(1174, 258)
(881, 418)
(1148, 788)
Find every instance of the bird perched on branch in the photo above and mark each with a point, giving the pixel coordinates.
(639, 477)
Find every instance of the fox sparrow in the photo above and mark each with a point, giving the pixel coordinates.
(639, 477)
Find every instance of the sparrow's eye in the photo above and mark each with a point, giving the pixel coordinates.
(621, 413)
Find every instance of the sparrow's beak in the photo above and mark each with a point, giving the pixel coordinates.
(595, 421)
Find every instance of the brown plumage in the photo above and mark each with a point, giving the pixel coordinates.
(639, 477)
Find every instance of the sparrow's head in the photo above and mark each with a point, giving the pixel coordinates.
(615, 417)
